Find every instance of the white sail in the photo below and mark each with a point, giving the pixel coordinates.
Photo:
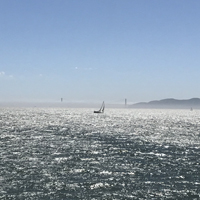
(101, 110)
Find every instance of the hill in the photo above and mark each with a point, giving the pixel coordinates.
(170, 103)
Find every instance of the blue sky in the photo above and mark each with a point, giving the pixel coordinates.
(95, 50)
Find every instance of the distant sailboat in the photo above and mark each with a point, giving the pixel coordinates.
(101, 110)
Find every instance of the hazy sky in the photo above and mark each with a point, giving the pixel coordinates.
(95, 50)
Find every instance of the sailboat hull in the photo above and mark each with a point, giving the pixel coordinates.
(98, 112)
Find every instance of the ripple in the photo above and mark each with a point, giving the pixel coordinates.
(122, 154)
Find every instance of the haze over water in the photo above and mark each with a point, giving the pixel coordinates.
(54, 153)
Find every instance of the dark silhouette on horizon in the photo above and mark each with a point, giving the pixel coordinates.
(170, 103)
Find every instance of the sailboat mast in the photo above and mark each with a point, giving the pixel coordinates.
(103, 106)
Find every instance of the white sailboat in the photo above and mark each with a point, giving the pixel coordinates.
(101, 110)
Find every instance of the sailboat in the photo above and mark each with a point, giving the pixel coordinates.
(101, 110)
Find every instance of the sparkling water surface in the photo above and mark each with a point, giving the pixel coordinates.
(56, 154)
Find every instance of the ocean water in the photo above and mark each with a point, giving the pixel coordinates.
(57, 154)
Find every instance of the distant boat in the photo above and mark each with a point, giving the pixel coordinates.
(101, 110)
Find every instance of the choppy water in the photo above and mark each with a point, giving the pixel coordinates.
(121, 154)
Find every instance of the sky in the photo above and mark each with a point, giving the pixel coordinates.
(95, 50)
